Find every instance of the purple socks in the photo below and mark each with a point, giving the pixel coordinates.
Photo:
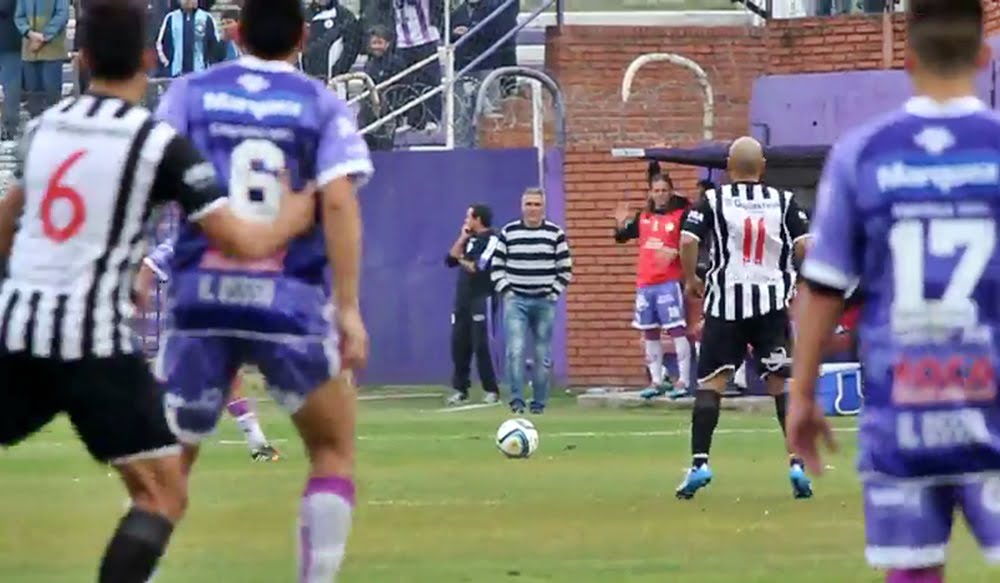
(239, 407)
(931, 575)
(324, 525)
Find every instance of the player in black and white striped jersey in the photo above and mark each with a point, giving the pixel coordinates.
(91, 170)
(758, 234)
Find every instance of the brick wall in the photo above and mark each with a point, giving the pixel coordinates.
(666, 107)
(992, 16)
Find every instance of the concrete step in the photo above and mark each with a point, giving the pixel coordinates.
(619, 399)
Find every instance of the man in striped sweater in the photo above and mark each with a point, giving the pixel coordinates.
(531, 269)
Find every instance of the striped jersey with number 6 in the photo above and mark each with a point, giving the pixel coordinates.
(92, 168)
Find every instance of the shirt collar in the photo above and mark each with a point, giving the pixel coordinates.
(252, 62)
(960, 106)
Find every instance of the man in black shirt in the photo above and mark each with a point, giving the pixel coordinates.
(472, 253)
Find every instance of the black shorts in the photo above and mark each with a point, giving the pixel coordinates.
(114, 404)
(724, 345)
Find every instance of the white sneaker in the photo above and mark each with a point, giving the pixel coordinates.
(403, 128)
(457, 399)
(491, 398)
(431, 127)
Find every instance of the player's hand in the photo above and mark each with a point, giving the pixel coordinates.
(806, 425)
(145, 280)
(666, 254)
(622, 213)
(298, 207)
(695, 288)
(353, 338)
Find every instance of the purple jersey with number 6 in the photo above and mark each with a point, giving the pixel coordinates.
(252, 118)
(909, 206)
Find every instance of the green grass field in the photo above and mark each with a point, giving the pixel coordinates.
(439, 504)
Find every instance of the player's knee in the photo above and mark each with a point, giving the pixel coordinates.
(653, 334)
(331, 457)
(707, 400)
(775, 384)
(157, 486)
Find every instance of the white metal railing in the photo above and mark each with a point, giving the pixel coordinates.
(708, 94)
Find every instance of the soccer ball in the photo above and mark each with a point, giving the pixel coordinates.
(517, 438)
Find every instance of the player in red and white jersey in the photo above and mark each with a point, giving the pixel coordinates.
(659, 299)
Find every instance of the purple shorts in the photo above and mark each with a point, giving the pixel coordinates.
(908, 523)
(197, 371)
(659, 306)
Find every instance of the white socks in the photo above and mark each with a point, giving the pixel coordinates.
(683, 348)
(654, 360)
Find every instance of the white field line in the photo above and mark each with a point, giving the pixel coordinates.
(467, 407)
(468, 436)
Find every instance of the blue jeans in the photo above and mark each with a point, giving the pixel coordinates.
(43, 81)
(10, 79)
(523, 315)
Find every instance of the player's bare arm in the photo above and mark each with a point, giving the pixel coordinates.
(342, 230)
(818, 312)
(689, 262)
(11, 205)
(626, 225)
(253, 240)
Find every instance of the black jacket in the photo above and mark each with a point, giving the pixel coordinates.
(10, 38)
(469, 15)
(476, 286)
(334, 41)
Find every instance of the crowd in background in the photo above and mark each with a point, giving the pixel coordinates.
(387, 37)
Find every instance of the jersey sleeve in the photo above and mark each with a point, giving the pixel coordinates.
(696, 221)
(188, 179)
(172, 108)
(834, 259)
(796, 220)
(159, 260)
(342, 150)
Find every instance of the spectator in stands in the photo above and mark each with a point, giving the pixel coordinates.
(10, 69)
(42, 23)
(463, 19)
(334, 40)
(382, 64)
(228, 49)
(417, 24)
(188, 40)
(156, 12)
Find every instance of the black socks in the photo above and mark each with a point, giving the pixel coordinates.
(135, 548)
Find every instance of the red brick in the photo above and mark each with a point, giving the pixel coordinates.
(665, 106)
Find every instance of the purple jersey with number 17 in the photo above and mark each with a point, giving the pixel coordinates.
(910, 206)
(251, 118)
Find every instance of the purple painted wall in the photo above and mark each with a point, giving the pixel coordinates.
(819, 108)
(412, 212)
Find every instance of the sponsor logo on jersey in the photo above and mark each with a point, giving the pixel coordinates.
(943, 177)
(259, 109)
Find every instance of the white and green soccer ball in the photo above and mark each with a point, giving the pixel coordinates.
(517, 438)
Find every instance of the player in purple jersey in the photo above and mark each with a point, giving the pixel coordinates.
(908, 205)
(250, 117)
(156, 267)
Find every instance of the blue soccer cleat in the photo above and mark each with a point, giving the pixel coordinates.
(801, 484)
(694, 480)
(657, 390)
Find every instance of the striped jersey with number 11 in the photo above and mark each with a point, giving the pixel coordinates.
(92, 169)
(754, 228)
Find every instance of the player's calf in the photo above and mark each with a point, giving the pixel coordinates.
(326, 424)
(159, 499)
